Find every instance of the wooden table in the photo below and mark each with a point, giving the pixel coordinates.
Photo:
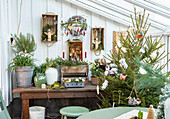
(37, 93)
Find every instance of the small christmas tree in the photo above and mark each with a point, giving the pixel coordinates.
(136, 45)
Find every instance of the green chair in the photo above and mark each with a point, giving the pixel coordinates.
(3, 110)
(73, 111)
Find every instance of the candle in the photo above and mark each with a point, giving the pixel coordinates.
(80, 55)
(73, 55)
(63, 54)
(85, 54)
(43, 86)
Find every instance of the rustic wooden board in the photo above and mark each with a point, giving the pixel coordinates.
(87, 88)
(74, 69)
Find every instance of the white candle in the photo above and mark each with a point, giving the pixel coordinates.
(43, 86)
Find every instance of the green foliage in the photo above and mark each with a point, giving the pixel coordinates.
(148, 88)
(55, 63)
(20, 61)
(24, 43)
(72, 80)
(105, 101)
(74, 24)
(95, 68)
(45, 29)
(55, 86)
(140, 114)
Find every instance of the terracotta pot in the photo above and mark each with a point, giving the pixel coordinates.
(94, 81)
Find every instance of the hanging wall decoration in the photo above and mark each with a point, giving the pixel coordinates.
(97, 39)
(75, 50)
(75, 26)
(116, 36)
(49, 26)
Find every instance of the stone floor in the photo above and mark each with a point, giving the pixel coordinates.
(52, 106)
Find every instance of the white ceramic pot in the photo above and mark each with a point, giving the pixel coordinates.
(51, 75)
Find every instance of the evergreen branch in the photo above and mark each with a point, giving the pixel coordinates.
(143, 16)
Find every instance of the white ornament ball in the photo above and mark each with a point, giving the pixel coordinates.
(153, 55)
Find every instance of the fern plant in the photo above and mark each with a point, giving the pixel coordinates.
(24, 43)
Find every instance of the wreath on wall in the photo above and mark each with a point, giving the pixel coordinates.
(75, 26)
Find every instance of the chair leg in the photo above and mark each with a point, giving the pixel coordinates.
(65, 117)
(62, 117)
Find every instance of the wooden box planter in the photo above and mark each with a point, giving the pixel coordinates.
(50, 19)
(74, 70)
(97, 33)
(74, 85)
(75, 47)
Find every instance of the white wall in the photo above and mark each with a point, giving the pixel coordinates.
(31, 23)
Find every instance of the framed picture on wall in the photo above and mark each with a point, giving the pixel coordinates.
(116, 36)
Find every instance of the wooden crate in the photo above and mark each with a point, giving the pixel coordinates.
(74, 70)
(51, 20)
(71, 47)
(94, 32)
(116, 36)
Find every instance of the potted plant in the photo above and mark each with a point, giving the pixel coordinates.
(95, 72)
(74, 82)
(23, 64)
(24, 43)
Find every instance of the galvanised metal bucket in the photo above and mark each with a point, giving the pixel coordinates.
(24, 76)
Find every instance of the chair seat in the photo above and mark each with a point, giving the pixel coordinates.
(73, 111)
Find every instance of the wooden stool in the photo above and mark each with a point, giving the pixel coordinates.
(73, 111)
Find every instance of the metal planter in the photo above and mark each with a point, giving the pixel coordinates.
(74, 85)
(24, 76)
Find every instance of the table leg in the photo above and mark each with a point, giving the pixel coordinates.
(25, 108)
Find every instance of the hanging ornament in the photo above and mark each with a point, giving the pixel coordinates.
(83, 32)
(133, 101)
(124, 49)
(142, 50)
(105, 84)
(153, 55)
(142, 71)
(70, 27)
(76, 29)
(66, 32)
(140, 33)
(123, 77)
(139, 36)
(131, 29)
